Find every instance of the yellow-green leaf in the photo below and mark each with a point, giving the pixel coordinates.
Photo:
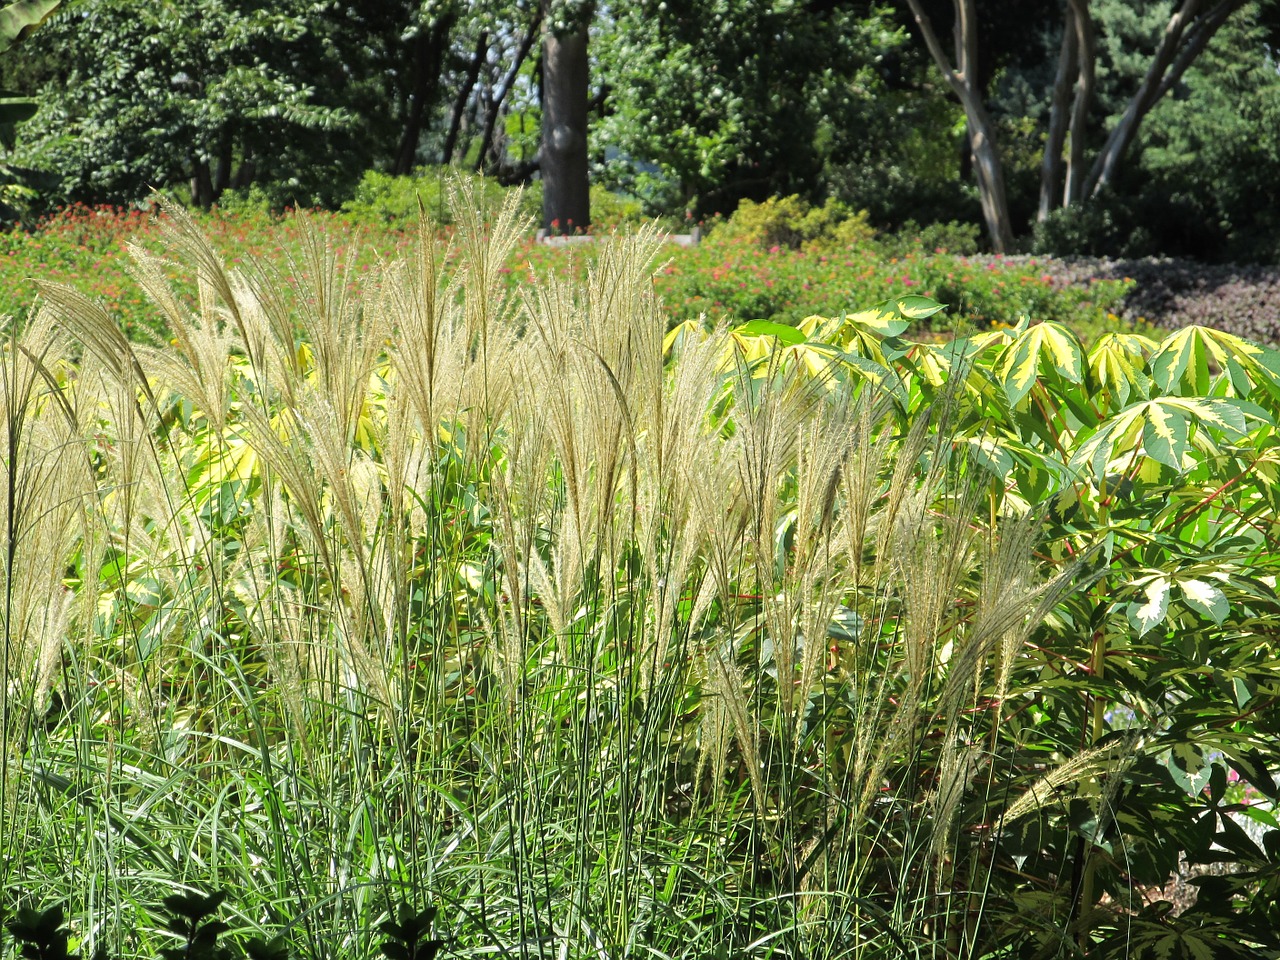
(1204, 598)
(1043, 346)
(1164, 434)
(1117, 362)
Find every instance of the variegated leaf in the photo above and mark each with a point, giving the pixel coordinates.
(1117, 363)
(1164, 434)
(1043, 346)
(1150, 612)
(1204, 598)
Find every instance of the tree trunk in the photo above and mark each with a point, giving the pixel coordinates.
(566, 202)
(508, 81)
(1051, 163)
(963, 82)
(222, 172)
(1185, 37)
(464, 94)
(201, 183)
(429, 48)
(1082, 21)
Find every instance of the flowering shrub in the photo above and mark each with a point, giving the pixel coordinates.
(740, 280)
(85, 248)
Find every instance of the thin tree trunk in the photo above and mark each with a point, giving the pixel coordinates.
(222, 172)
(429, 48)
(566, 199)
(963, 82)
(1051, 163)
(1087, 55)
(504, 88)
(1185, 37)
(464, 94)
(201, 184)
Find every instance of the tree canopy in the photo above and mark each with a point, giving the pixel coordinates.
(1016, 113)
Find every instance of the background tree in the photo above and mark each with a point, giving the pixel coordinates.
(1188, 29)
(714, 101)
(204, 93)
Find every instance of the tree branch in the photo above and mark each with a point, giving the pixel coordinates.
(1166, 68)
(500, 95)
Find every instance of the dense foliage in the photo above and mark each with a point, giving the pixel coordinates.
(694, 106)
(772, 641)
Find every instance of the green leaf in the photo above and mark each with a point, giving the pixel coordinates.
(990, 454)
(1117, 363)
(1164, 435)
(1045, 346)
(767, 328)
(884, 320)
(18, 20)
(915, 307)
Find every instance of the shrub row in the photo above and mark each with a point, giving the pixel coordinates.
(732, 274)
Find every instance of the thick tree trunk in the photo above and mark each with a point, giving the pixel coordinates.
(1187, 34)
(962, 79)
(566, 202)
(429, 48)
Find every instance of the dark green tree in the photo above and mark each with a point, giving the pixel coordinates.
(1188, 27)
(713, 101)
(17, 22)
(299, 97)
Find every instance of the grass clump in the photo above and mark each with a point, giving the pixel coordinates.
(406, 585)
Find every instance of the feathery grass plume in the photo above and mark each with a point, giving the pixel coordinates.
(200, 369)
(342, 326)
(522, 502)
(817, 560)
(358, 639)
(588, 363)
(554, 376)
(273, 611)
(44, 487)
(675, 435)
(769, 451)
(216, 285)
(292, 466)
(1111, 758)
(487, 242)
(91, 324)
(429, 351)
(42, 491)
(862, 486)
(726, 682)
